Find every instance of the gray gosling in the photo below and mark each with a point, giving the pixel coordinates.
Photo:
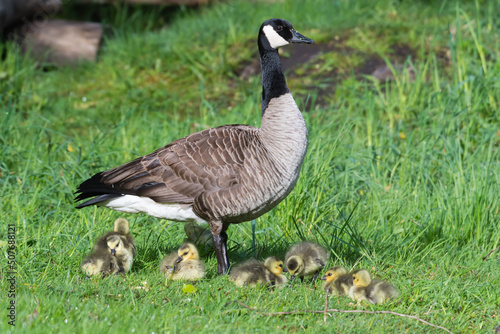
(184, 264)
(306, 259)
(199, 235)
(374, 291)
(253, 273)
(337, 281)
(113, 253)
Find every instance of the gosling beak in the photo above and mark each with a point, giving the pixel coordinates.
(285, 270)
(179, 259)
(299, 38)
(292, 277)
(113, 251)
(323, 278)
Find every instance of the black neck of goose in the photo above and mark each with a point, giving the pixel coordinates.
(273, 78)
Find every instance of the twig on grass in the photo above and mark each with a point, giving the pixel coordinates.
(328, 311)
(326, 306)
(484, 258)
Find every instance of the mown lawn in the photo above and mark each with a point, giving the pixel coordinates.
(402, 177)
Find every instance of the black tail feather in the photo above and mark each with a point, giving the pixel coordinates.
(97, 200)
(94, 187)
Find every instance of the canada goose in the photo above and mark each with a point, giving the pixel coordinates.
(224, 175)
(306, 259)
(374, 291)
(114, 252)
(183, 264)
(331, 277)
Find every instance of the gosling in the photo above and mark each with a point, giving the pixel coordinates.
(113, 253)
(199, 235)
(249, 273)
(374, 291)
(337, 281)
(253, 273)
(185, 264)
(274, 271)
(306, 259)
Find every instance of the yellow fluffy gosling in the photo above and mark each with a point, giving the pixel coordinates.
(253, 272)
(274, 271)
(184, 264)
(337, 281)
(374, 291)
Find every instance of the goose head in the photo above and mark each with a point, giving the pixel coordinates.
(361, 278)
(295, 266)
(275, 33)
(274, 265)
(334, 273)
(187, 251)
(115, 245)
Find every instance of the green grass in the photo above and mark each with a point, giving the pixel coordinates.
(403, 176)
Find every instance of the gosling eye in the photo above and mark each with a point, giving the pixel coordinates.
(279, 28)
(330, 274)
(186, 253)
(117, 245)
(281, 266)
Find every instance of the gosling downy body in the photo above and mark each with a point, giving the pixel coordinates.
(306, 259)
(115, 248)
(249, 273)
(374, 291)
(224, 175)
(253, 272)
(337, 281)
(184, 264)
(100, 262)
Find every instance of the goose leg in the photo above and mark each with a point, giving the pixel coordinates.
(221, 252)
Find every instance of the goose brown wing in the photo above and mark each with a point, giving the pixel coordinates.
(202, 162)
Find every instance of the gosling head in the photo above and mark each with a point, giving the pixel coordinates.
(122, 226)
(275, 33)
(361, 278)
(187, 251)
(334, 273)
(115, 245)
(274, 265)
(295, 266)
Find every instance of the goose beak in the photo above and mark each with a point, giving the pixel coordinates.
(285, 270)
(113, 251)
(323, 278)
(179, 259)
(299, 38)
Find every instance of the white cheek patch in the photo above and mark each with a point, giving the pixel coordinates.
(275, 40)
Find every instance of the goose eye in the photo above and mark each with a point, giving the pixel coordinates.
(281, 266)
(330, 274)
(279, 28)
(186, 253)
